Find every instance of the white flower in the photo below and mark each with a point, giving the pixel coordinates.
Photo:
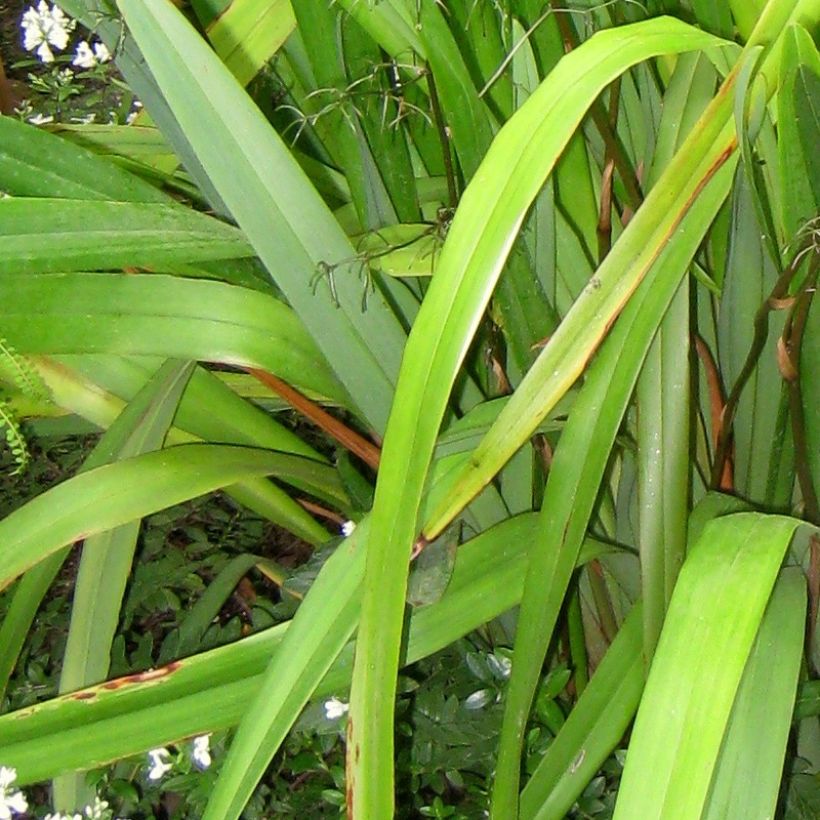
(101, 52)
(348, 527)
(11, 802)
(160, 763)
(87, 119)
(85, 57)
(335, 708)
(201, 752)
(39, 119)
(58, 816)
(98, 810)
(43, 28)
(135, 113)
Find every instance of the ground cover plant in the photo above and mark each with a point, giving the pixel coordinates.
(537, 281)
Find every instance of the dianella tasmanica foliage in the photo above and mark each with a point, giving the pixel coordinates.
(544, 276)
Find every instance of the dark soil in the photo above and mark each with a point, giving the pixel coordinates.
(11, 36)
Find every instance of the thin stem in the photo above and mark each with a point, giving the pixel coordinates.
(444, 139)
(600, 118)
(791, 343)
(349, 439)
(777, 299)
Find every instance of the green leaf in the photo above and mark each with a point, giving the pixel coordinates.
(106, 558)
(715, 613)
(43, 235)
(161, 316)
(34, 162)
(86, 399)
(130, 715)
(432, 568)
(293, 232)
(248, 33)
(117, 493)
(798, 117)
(486, 223)
(594, 727)
(187, 638)
(748, 773)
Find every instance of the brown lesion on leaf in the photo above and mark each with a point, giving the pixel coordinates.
(142, 677)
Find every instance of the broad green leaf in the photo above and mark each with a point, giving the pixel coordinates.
(115, 494)
(290, 227)
(34, 162)
(595, 725)
(577, 469)
(133, 141)
(43, 235)
(88, 400)
(210, 409)
(161, 316)
(248, 33)
(100, 17)
(749, 770)
(105, 563)
(490, 214)
(715, 613)
(130, 715)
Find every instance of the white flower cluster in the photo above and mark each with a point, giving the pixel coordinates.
(44, 28)
(88, 56)
(11, 802)
(161, 761)
(47, 28)
(335, 708)
(97, 811)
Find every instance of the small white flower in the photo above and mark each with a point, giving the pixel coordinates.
(348, 527)
(11, 802)
(201, 751)
(40, 119)
(335, 708)
(43, 28)
(98, 810)
(160, 763)
(87, 119)
(57, 816)
(86, 57)
(101, 52)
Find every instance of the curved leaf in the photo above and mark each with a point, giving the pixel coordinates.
(118, 493)
(161, 316)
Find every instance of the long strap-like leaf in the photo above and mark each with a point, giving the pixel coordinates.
(482, 233)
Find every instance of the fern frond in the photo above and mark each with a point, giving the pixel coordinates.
(15, 440)
(21, 372)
